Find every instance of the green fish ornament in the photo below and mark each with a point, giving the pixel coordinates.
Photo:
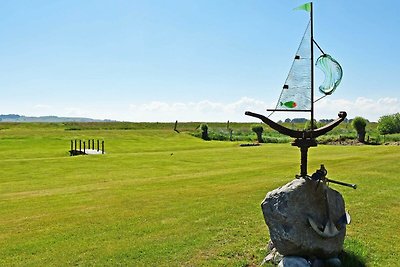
(289, 104)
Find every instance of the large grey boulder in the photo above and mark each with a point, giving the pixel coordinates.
(288, 211)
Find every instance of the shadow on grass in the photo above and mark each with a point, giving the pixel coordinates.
(351, 260)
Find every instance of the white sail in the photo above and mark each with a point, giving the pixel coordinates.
(296, 92)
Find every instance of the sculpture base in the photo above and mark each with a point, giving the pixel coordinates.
(287, 212)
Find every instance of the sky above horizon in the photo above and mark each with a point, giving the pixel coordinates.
(190, 60)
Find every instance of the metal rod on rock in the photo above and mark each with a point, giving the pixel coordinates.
(354, 186)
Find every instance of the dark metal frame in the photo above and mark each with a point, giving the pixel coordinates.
(304, 139)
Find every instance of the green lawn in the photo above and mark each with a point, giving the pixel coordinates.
(162, 198)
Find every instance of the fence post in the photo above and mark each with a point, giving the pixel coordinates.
(80, 145)
(72, 148)
(75, 144)
(98, 145)
(102, 147)
(84, 147)
(93, 144)
(176, 126)
(88, 143)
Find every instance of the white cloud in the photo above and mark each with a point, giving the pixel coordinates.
(204, 110)
(368, 108)
(210, 111)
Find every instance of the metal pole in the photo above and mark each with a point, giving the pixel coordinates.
(303, 166)
(89, 144)
(93, 144)
(80, 145)
(84, 147)
(72, 148)
(98, 145)
(312, 68)
(102, 147)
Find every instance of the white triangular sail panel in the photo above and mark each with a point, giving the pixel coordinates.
(296, 92)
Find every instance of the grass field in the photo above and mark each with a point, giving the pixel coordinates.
(162, 198)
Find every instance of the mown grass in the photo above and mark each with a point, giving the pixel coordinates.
(162, 198)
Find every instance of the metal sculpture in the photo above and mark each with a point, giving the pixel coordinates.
(298, 96)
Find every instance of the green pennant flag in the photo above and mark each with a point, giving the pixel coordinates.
(305, 7)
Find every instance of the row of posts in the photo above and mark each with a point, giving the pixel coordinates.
(90, 143)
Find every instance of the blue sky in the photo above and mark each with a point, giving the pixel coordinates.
(189, 60)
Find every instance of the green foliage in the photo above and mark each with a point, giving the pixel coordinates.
(389, 124)
(359, 124)
(258, 129)
(307, 125)
(159, 197)
(343, 134)
(204, 132)
(391, 138)
(240, 132)
(333, 138)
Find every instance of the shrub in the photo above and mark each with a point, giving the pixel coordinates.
(258, 129)
(389, 124)
(204, 132)
(359, 124)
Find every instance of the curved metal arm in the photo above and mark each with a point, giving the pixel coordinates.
(299, 134)
(276, 126)
(324, 129)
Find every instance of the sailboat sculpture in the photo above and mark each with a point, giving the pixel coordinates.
(298, 91)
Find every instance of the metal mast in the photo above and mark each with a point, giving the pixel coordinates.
(312, 67)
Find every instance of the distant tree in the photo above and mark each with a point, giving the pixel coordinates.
(389, 124)
(258, 129)
(326, 120)
(288, 120)
(204, 132)
(299, 120)
(359, 124)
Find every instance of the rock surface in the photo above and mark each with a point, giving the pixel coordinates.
(292, 261)
(287, 211)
